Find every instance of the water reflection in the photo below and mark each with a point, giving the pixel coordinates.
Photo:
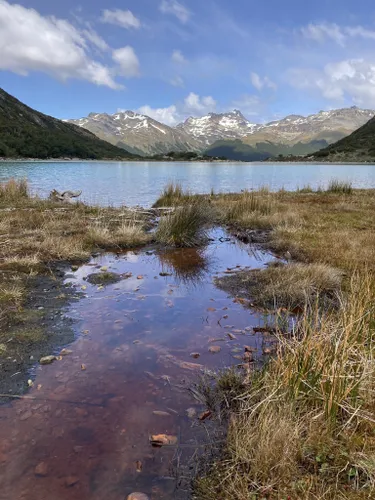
(86, 426)
(189, 266)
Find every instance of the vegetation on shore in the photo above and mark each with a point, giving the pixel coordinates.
(301, 428)
(37, 234)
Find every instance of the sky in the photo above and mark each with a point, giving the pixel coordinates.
(171, 59)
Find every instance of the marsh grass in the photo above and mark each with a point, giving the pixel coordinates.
(172, 195)
(186, 226)
(340, 187)
(292, 286)
(303, 428)
(14, 191)
(35, 234)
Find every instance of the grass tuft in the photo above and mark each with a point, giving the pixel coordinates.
(187, 226)
(292, 286)
(14, 191)
(172, 195)
(340, 187)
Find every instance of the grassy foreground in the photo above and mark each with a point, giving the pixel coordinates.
(303, 427)
(36, 235)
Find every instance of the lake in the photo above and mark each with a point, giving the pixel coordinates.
(139, 183)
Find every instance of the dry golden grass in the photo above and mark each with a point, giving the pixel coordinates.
(36, 233)
(291, 286)
(303, 428)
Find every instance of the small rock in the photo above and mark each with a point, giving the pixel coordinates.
(41, 469)
(231, 336)
(26, 415)
(165, 274)
(248, 357)
(211, 309)
(65, 352)
(214, 349)
(71, 481)
(139, 466)
(47, 360)
(77, 449)
(3, 349)
(191, 412)
(140, 277)
(137, 496)
(195, 355)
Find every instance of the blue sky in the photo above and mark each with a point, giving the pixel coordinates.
(175, 58)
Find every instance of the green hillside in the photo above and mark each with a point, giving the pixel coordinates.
(358, 146)
(238, 150)
(26, 133)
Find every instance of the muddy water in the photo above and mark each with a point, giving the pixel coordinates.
(86, 430)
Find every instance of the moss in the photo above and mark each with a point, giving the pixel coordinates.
(103, 278)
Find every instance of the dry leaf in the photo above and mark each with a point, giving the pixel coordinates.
(205, 414)
(83, 367)
(159, 440)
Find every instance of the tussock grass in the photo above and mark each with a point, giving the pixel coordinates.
(303, 427)
(13, 191)
(172, 195)
(291, 286)
(185, 227)
(127, 235)
(250, 203)
(340, 187)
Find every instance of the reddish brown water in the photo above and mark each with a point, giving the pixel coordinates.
(93, 412)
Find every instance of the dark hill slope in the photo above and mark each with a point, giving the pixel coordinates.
(26, 133)
(358, 146)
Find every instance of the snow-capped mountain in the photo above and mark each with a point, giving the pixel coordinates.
(141, 134)
(214, 127)
(325, 125)
(138, 133)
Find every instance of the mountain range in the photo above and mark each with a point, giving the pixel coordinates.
(226, 134)
(26, 133)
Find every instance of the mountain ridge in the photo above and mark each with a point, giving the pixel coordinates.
(298, 134)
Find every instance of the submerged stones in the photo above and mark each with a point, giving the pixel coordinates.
(214, 349)
(47, 360)
(104, 278)
(137, 496)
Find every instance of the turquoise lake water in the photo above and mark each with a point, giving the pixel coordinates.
(132, 183)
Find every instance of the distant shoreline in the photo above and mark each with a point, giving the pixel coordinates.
(268, 162)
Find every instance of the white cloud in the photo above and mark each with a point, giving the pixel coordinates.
(175, 8)
(193, 104)
(31, 42)
(93, 37)
(259, 83)
(168, 115)
(177, 81)
(127, 60)
(351, 79)
(124, 18)
(178, 57)
(339, 34)
(319, 32)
